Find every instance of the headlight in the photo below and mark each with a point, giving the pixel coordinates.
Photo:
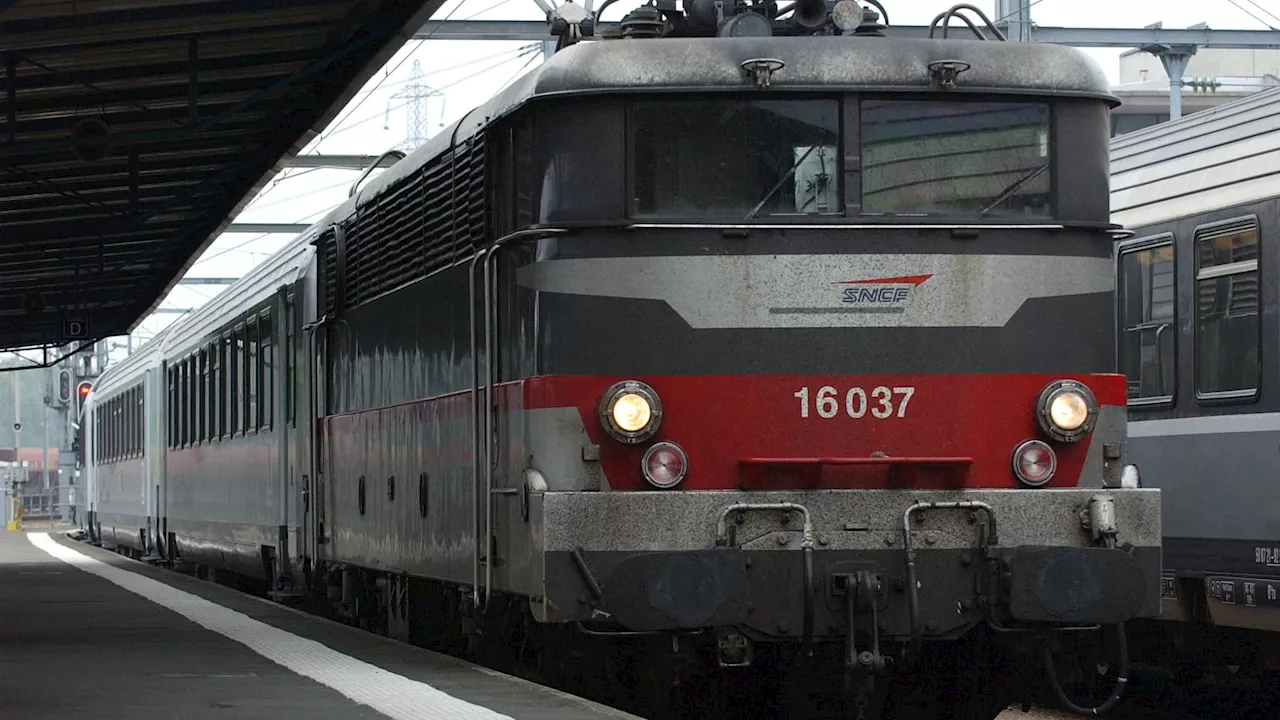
(1130, 478)
(630, 411)
(1066, 410)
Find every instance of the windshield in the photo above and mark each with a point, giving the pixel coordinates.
(978, 159)
(735, 159)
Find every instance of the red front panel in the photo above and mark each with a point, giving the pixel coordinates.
(946, 430)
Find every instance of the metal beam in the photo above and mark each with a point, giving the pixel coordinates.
(207, 281)
(1015, 15)
(351, 162)
(523, 30)
(533, 30)
(1133, 37)
(274, 228)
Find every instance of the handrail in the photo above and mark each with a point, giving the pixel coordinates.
(399, 155)
(487, 438)
(475, 427)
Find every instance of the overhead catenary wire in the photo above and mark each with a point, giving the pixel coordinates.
(341, 126)
(516, 55)
(325, 136)
(292, 173)
(494, 6)
(1006, 16)
(387, 74)
(1264, 10)
(517, 73)
(429, 73)
(1251, 14)
(528, 50)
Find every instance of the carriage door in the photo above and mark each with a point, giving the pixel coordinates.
(154, 414)
(316, 361)
(318, 310)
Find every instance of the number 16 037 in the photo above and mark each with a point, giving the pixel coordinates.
(881, 402)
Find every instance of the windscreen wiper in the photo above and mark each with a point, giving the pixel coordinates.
(778, 187)
(1009, 191)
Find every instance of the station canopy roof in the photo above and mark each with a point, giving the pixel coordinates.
(133, 130)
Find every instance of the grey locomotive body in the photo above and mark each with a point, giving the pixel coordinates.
(725, 349)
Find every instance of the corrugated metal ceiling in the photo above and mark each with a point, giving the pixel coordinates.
(132, 130)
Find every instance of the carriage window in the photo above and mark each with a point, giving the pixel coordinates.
(288, 361)
(173, 407)
(736, 159)
(227, 407)
(184, 411)
(252, 374)
(193, 380)
(1227, 328)
(235, 388)
(217, 399)
(127, 426)
(1147, 297)
(971, 159)
(266, 384)
(202, 397)
(140, 422)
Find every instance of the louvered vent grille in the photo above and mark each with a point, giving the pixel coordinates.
(328, 271)
(425, 222)
(472, 212)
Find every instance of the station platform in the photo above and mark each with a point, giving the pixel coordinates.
(87, 633)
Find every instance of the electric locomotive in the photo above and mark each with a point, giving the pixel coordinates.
(727, 348)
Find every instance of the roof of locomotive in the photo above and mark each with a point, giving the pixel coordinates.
(826, 62)
(830, 63)
(1216, 158)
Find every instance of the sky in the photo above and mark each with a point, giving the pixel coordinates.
(466, 73)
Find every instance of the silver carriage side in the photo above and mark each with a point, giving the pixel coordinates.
(1198, 295)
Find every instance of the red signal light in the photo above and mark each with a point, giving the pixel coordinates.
(83, 389)
(64, 386)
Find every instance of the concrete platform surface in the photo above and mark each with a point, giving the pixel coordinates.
(87, 633)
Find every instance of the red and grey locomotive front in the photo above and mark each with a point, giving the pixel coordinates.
(794, 333)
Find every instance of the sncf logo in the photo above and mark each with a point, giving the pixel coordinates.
(881, 293)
